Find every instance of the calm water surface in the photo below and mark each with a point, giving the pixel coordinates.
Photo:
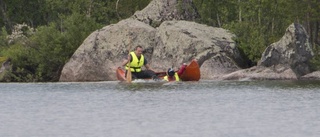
(186, 109)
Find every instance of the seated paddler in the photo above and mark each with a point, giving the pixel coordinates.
(137, 61)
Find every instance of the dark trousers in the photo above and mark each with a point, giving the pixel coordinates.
(143, 74)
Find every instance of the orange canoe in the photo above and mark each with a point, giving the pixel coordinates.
(192, 73)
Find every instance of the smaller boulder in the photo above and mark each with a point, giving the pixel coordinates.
(311, 76)
(278, 72)
(293, 50)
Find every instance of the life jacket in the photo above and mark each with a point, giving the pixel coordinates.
(176, 78)
(135, 64)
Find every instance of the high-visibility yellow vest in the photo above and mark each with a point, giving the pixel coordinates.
(175, 76)
(135, 64)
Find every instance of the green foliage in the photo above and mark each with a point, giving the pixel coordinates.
(54, 48)
(42, 12)
(315, 61)
(216, 12)
(250, 40)
(2, 59)
(3, 40)
(19, 54)
(49, 48)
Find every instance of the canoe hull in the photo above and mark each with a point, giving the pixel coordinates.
(192, 72)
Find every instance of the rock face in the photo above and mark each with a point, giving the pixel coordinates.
(286, 59)
(159, 11)
(182, 41)
(169, 44)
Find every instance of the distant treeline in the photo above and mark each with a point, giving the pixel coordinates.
(41, 35)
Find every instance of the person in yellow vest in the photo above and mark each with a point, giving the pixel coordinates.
(137, 60)
(171, 75)
(175, 76)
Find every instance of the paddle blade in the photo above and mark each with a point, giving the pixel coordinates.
(129, 76)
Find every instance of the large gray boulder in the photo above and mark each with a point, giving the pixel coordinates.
(293, 50)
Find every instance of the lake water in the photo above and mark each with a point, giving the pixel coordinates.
(185, 109)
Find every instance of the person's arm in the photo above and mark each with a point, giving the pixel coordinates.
(182, 69)
(148, 67)
(126, 61)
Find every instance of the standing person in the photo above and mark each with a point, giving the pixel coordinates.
(137, 60)
(175, 76)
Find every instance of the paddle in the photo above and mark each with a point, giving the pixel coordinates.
(129, 75)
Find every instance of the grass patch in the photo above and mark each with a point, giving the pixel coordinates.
(2, 59)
